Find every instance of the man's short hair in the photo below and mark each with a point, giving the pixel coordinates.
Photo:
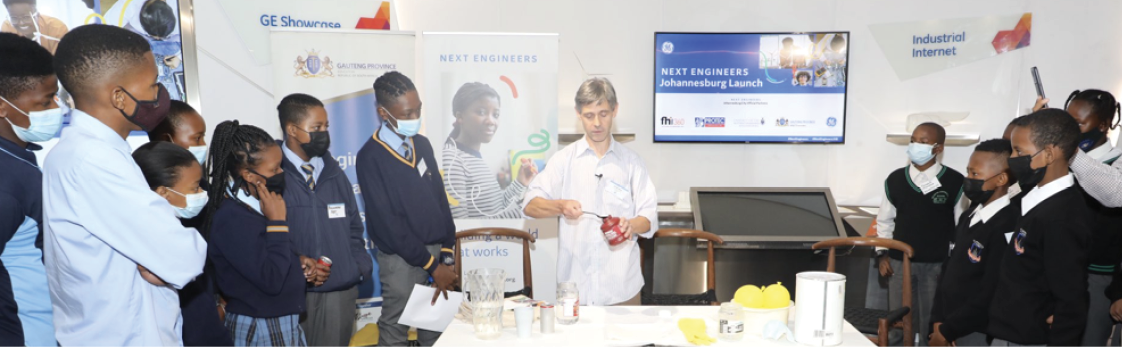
(1052, 126)
(390, 86)
(293, 108)
(594, 91)
(23, 65)
(95, 52)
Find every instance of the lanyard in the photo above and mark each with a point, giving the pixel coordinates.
(21, 159)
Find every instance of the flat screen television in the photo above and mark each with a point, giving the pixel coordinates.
(750, 87)
(767, 217)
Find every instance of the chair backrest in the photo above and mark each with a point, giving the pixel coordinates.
(527, 276)
(710, 238)
(832, 244)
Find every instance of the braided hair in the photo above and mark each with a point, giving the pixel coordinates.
(390, 86)
(233, 147)
(1102, 105)
(467, 94)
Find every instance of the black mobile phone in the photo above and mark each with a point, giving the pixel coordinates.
(1039, 86)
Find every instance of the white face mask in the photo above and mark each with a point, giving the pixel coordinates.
(405, 127)
(199, 152)
(195, 204)
(43, 124)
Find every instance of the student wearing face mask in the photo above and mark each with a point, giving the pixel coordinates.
(175, 174)
(967, 282)
(407, 213)
(1043, 277)
(255, 262)
(324, 221)
(183, 127)
(101, 219)
(1094, 111)
(1098, 179)
(25, 20)
(31, 113)
(921, 202)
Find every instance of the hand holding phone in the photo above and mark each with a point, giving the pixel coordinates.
(1039, 86)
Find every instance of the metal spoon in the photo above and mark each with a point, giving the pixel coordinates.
(590, 213)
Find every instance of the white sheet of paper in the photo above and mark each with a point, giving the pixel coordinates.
(421, 314)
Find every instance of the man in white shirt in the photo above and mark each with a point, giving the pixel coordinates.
(102, 221)
(598, 175)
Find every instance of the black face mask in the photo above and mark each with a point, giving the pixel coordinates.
(148, 114)
(317, 146)
(973, 190)
(1027, 177)
(1088, 139)
(274, 184)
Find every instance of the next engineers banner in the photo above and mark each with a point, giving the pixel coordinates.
(750, 87)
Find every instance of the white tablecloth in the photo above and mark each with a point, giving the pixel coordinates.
(629, 326)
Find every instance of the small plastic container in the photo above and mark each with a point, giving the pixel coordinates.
(547, 319)
(731, 317)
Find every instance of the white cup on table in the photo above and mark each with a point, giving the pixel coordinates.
(524, 319)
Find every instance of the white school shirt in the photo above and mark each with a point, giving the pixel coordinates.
(101, 221)
(617, 184)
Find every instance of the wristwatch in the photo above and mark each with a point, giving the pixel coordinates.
(447, 259)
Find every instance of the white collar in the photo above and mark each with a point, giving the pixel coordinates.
(984, 212)
(1039, 194)
(931, 172)
(1104, 152)
(583, 146)
(244, 197)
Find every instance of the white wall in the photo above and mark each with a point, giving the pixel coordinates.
(1075, 46)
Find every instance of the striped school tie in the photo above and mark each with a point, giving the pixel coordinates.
(308, 170)
(408, 152)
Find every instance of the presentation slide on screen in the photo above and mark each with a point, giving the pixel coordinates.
(750, 87)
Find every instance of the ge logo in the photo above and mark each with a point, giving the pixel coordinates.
(667, 47)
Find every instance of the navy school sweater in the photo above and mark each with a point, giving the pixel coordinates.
(406, 207)
(1044, 273)
(21, 198)
(255, 264)
(197, 301)
(315, 233)
(969, 276)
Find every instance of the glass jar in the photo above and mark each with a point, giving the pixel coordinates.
(731, 317)
(568, 303)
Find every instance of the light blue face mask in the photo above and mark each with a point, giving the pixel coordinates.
(199, 152)
(195, 204)
(43, 124)
(407, 128)
(921, 153)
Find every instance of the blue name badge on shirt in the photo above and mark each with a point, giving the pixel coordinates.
(336, 211)
(619, 190)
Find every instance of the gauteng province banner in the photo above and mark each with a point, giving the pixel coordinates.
(491, 111)
(339, 67)
(918, 48)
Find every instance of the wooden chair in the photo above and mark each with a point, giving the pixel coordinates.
(709, 297)
(872, 321)
(527, 239)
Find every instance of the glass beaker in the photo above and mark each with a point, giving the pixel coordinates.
(485, 294)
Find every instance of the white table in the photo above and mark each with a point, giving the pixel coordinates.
(636, 326)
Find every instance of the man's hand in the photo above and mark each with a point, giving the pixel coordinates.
(625, 226)
(527, 172)
(885, 267)
(1040, 102)
(571, 209)
(1052, 318)
(443, 279)
(309, 267)
(322, 272)
(937, 338)
(149, 276)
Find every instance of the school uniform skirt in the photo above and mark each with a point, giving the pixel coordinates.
(278, 331)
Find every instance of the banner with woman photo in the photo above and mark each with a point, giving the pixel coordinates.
(491, 110)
